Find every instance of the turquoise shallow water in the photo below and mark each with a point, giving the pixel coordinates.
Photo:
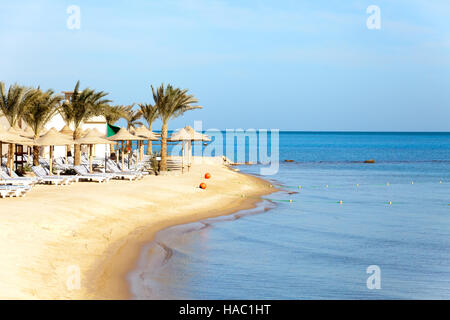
(315, 247)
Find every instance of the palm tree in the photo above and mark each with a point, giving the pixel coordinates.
(171, 102)
(82, 106)
(13, 105)
(38, 113)
(113, 114)
(150, 114)
(133, 117)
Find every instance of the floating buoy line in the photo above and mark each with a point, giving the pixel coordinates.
(357, 185)
(338, 201)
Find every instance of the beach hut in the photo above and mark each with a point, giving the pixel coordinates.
(92, 138)
(53, 138)
(123, 135)
(187, 135)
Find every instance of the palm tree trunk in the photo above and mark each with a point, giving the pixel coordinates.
(163, 166)
(77, 148)
(36, 150)
(149, 144)
(11, 157)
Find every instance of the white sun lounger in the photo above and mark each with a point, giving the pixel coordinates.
(84, 175)
(5, 179)
(111, 175)
(41, 173)
(111, 166)
(13, 191)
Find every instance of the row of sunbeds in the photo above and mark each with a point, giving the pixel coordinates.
(11, 185)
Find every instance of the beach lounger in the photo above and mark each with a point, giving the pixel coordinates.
(84, 170)
(13, 191)
(126, 169)
(83, 174)
(61, 165)
(5, 179)
(112, 167)
(41, 173)
(15, 176)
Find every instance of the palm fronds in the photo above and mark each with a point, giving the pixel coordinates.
(14, 102)
(133, 117)
(149, 113)
(113, 114)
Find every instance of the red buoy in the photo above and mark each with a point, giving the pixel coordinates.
(202, 185)
(207, 175)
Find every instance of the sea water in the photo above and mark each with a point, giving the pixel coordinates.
(332, 219)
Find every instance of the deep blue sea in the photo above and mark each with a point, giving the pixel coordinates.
(347, 216)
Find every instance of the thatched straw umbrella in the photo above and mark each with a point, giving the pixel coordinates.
(123, 135)
(143, 132)
(92, 138)
(66, 131)
(28, 133)
(187, 135)
(12, 137)
(53, 138)
(69, 133)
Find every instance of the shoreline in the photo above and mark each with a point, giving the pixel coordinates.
(128, 252)
(158, 253)
(100, 229)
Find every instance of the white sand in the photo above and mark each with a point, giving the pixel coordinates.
(100, 228)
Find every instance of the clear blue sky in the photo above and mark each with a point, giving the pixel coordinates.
(296, 65)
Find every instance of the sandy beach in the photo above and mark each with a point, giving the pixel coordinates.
(101, 228)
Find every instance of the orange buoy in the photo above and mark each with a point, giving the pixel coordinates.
(207, 175)
(202, 185)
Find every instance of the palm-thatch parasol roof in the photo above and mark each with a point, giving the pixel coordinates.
(66, 131)
(97, 133)
(53, 138)
(27, 133)
(85, 132)
(143, 132)
(93, 137)
(188, 134)
(124, 135)
(10, 136)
